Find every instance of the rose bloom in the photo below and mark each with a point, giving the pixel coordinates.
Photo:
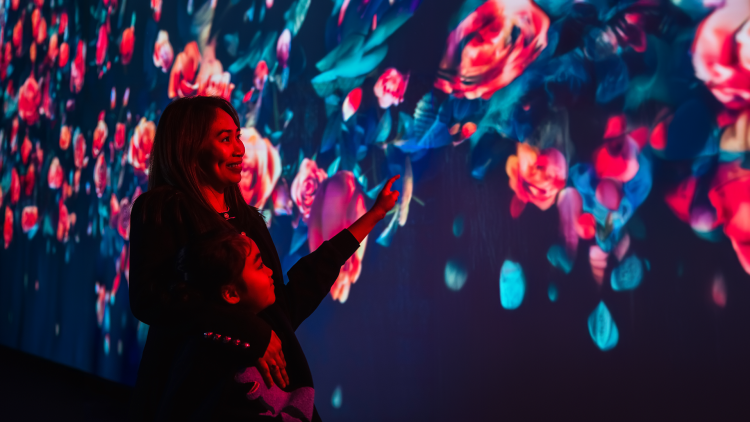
(730, 196)
(8, 227)
(305, 185)
(100, 136)
(182, 81)
(52, 50)
(390, 88)
(29, 99)
(63, 223)
(62, 58)
(102, 42)
(55, 174)
(29, 217)
(79, 149)
(217, 85)
(15, 187)
(77, 68)
(338, 203)
(119, 136)
(721, 53)
(101, 173)
(261, 74)
(64, 137)
(283, 46)
(141, 144)
(535, 176)
(26, 149)
(491, 47)
(163, 53)
(261, 168)
(127, 41)
(617, 159)
(38, 27)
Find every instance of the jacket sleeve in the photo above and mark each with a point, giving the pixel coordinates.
(153, 299)
(311, 278)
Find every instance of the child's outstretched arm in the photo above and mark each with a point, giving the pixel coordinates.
(385, 202)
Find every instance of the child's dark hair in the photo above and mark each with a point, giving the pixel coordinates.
(212, 260)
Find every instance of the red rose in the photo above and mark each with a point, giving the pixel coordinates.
(390, 88)
(535, 176)
(126, 45)
(339, 202)
(119, 136)
(163, 53)
(491, 47)
(305, 185)
(617, 159)
(721, 53)
(29, 99)
(64, 55)
(141, 144)
(730, 196)
(261, 168)
(55, 174)
(26, 149)
(8, 227)
(101, 45)
(79, 149)
(64, 137)
(184, 71)
(29, 217)
(101, 176)
(100, 136)
(261, 74)
(15, 187)
(156, 7)
(78, 68)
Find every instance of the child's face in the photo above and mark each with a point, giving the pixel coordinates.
(256, 277)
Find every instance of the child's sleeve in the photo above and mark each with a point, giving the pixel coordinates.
(311, 278)
(153, 300)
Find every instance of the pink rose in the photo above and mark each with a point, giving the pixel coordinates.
(127, 42)
(100, 136)
(217, 85)
(163, 53)
(64, 55)
(156, 7)
(29, 217)
(119, 136)
(721, 53)
(730, 196)
(283, 46)
(535, 176)
(26, 149)
(261, 168)
(8, 227)
(182, 77)
(305, 185)
(390, 88)
(29, 99)
(338, 203)
(64, 137)
(491, 47)
(141, 144)
(102, 42)
(617, 159)
(55, 174)
(260, 76)
(101, 176)
(77, 68)
(79, 149)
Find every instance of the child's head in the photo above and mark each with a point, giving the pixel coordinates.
(227, 266)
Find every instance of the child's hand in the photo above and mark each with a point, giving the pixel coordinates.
(272, 366)
(386, 198)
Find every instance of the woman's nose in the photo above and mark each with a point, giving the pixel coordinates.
(239, 148)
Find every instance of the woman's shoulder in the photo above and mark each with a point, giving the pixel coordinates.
(158, 203)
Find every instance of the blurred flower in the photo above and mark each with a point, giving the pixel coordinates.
(102, 42)
(184, 71)
(38, 28)
(63, 25)
(390, 88)
(736, 137)
(261, 74)
(617, 159)
(5, 58)
(535, 176)
(156, 7)
(63, 223)
(15, 187)
(163, 53)
(29, 99)
(100, 136)
(29, 217)
(283, 46)
(730, 196)
(79, 149)
(101, 176)
(491, 47)
(339, 202)
(351, 103)
(64, 137)
(18, 34)
(78, 68)
(282, 200)
(119, 136)
(217, 85)
(55, 174)
(26, 149)
(721, 53)
(8, 227)
(305, 185)
(28, 180)
(64, 55)
(127, 43)
(261, 168)
(141, 144)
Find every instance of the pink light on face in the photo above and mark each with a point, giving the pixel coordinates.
(351, 103)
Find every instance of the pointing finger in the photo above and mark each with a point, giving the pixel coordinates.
(388, 185)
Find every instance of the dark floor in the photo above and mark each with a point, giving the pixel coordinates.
(34, 389)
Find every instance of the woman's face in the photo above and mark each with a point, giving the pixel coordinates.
(222, 158)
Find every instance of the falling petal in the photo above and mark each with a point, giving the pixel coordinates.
(719, 290)
(602, 328)
(458, 225)
(455, 274)
(336, 398)
(406, 195)
(351, 103)
(512, 285)
(552, 292)
(598, 261)
(627, 275)
(557, 256)
(622, 247)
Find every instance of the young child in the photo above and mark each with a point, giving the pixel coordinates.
(211, 379)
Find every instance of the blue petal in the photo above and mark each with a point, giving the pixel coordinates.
(552, 292)
(559, 259)
(512, 285)
(455, 274)
(337, 398)
(602, 328)
(627, 275)
(458, 225)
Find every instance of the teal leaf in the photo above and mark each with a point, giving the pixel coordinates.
(602, 328)
(455, 274)
(373, 193)
(512, 285)
(627, 275)
(334, 167)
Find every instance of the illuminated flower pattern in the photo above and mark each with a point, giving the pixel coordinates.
(261, 168)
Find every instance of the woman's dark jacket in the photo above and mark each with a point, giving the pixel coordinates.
(178, 316)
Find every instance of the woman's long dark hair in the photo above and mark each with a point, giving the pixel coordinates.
(174, 163)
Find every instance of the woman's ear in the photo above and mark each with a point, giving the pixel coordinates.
(230, 294)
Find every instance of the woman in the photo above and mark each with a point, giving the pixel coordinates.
(194, 173)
